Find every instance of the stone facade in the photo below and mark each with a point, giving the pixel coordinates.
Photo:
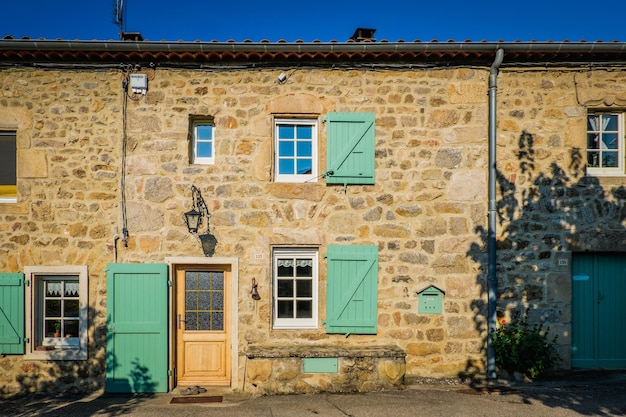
(426, 212)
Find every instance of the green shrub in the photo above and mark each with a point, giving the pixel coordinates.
(521, 347)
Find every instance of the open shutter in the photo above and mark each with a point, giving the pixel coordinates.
(12, 314)
(350, 146)
(352, 291)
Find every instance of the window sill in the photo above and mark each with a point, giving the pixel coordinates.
(50, 353)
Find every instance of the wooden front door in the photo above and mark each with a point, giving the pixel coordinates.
(203, 341)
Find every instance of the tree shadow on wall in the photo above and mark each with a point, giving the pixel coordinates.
(42, 396)
(542, 216)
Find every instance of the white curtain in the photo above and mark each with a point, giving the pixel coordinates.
(297, 262)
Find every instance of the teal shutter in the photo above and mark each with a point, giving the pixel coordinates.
(350, 146)
(352, 290)
(137, 328)
(12, 314)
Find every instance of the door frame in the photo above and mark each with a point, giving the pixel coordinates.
(176, 263)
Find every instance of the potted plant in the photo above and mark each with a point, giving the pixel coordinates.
(57, 328)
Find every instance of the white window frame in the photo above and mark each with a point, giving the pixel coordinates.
(296, 178)
(14, 134)
(602, 171)
(74, 348)
(296, 323)
(202, 160)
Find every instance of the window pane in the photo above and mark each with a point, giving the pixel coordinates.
(286, 166)
(609, 122)
(305, 166)
(285, 148)
(285, 288)
(285, 268)
(609, 159)
(204, 132)
(70, 327)
(609, 141)
(217, 301)
(204, 150)
(593, 159)
(304, 309)
(217, 321)
(71, 308)
(285, 309)
(304, 288)
(305, 132)
(304, 268)
(53, 308)
(286, 131)
(204, 300)
(305, 148)
(593, 141)
(8, 177)
(204, 321)
(593, 123)
(191, 321)
(217, 280)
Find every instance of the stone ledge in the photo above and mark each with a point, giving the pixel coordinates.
(323, 351)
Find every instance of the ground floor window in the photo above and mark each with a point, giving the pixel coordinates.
(56, 312)
(295, 292)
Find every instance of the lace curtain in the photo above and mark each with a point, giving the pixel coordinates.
(297, 262)
(56, 288)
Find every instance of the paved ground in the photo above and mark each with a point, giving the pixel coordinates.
(586, 394)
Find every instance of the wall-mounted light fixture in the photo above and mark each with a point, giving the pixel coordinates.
(193, 220)
(254, 292)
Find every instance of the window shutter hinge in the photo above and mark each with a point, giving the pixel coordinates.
(26, 340)
(27, 282)
(169, 283)
(169, 372)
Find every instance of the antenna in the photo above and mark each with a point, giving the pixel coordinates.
(118, 14)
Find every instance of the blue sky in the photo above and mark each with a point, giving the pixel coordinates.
(324, 20)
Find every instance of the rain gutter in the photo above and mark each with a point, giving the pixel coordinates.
(302, 47)
(492, 281)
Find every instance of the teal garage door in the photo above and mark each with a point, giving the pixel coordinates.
(598, 310)
(136, 328)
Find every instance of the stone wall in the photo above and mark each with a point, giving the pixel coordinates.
(427, 211)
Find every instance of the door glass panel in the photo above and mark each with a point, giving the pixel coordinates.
(204, 300)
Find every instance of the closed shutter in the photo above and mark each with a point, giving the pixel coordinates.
(352, 290)
(350, 146)
(137, 328)
(12, 314)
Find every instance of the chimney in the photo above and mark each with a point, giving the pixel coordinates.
(132, 36)
(363, 35)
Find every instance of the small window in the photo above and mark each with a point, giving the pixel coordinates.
(295, 150)
(605, 144)
(8, 171)
(56, 312)
(295, 288)
(203, 142)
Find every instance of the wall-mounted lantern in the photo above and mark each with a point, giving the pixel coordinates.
(193, 220)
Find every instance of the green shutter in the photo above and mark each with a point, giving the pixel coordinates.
(12, 314)
(350, 146)
(352, 290)
(137, 328)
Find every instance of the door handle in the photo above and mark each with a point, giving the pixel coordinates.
(180, 320)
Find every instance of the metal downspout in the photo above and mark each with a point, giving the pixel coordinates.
(492, 282)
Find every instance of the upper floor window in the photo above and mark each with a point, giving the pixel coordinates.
(8, 171)
(295, 150)
(203, 143)
(605, 143)
(295, 288)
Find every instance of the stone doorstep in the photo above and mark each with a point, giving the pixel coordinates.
(323, 351)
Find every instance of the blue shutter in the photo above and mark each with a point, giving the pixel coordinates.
(350, 146)
(352, 289)
(12, 314)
